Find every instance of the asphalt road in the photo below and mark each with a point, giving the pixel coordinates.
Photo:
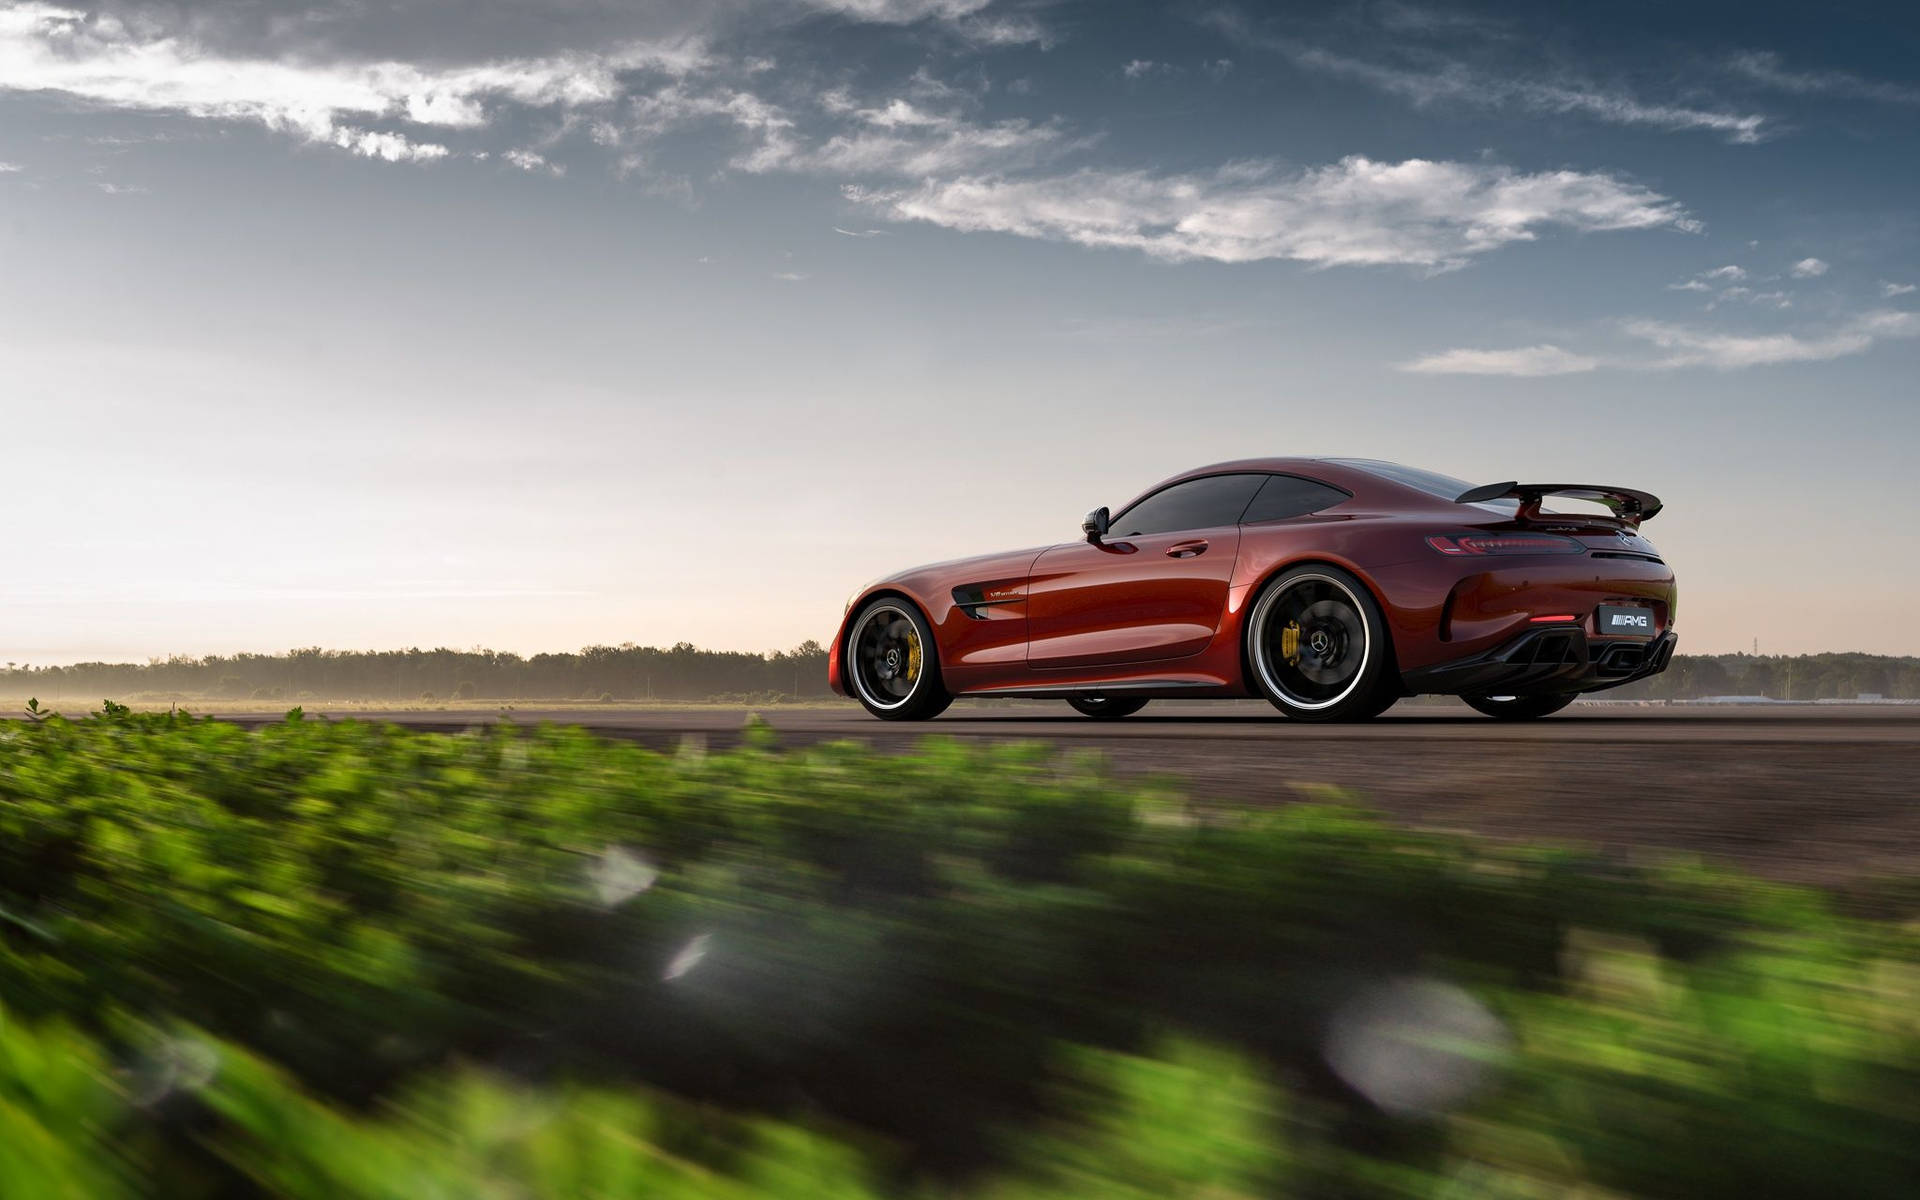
(1813, 793)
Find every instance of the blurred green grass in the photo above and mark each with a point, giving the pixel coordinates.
(342, 959)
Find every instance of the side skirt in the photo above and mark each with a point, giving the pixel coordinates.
(1192, 688)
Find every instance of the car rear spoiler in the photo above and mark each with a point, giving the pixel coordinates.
(1627, 504)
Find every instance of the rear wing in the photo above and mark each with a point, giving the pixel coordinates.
(1627, 504)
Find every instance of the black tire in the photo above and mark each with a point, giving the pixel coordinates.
(1520, 708)
(1106, 708)
(1384, 698)
(1341, 666)
(893, 666)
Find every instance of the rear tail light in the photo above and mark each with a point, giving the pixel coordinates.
(1465, 544)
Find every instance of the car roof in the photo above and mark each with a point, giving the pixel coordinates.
(1349, 473)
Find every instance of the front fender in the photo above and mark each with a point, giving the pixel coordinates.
(836, 652)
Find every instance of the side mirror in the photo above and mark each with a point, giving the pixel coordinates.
(1095, 525)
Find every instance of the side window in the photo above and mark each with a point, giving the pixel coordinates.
(1283, 496)
(1196, 504)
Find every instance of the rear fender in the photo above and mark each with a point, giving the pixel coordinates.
(1240, 603)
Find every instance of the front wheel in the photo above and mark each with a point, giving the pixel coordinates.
(1519, 708)
(1317, 647)
(1106, 708)
(893, 665)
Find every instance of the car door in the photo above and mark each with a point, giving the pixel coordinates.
(1154, 588)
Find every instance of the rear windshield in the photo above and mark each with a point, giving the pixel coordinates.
(1431, 482)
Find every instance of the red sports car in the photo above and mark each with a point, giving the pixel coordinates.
(1330, 586)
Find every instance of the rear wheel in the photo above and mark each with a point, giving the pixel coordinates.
(1317, 647)
(892, 663)
(1519, 708)
(1106, 708)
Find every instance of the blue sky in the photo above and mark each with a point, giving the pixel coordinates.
(536, 325)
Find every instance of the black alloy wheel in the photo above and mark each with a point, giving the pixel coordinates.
(892, 663)
(1317, 647)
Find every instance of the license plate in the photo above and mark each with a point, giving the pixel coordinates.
(1624, 620)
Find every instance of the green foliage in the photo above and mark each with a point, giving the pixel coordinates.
(1786, 1069)
(54, 1093)
(337, 959)
(1188, 1123)
(481, 1136)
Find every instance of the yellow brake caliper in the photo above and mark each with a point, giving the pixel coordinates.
(1290, 643)
(913, 656)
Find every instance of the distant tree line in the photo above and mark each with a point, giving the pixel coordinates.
(686, 672)
(624, 672)
(1781, 677)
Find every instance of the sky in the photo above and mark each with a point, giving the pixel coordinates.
(534, 325)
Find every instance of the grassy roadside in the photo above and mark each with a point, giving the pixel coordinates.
(338, 959)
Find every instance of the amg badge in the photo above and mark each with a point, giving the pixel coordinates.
(1621, 619)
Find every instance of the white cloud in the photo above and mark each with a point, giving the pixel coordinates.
(1766, 69)
(8, 168)
(123, 189)
(1356, 212)
(389, 147)
(894, 137)
(1725, 351)
(770, 127)
(1890, 323)
(1809, 268)
(966, 18)
(1688, 347)
(860, 233)
(901, 138)
(1140, 68)
(901, 12)
(1707, 281)
(1680, 347)
(1456, 82)
(105, 60)
(789, 276)
(964, 148)
(902, 114)
(1526, 362)
(1889, 290)
(1427, 78)
(1014, 29)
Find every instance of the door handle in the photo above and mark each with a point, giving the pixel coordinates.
(1187, 549)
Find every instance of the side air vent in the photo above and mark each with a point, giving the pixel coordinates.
(978, 600)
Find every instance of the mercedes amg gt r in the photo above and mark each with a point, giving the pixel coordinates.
(1331, 587)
